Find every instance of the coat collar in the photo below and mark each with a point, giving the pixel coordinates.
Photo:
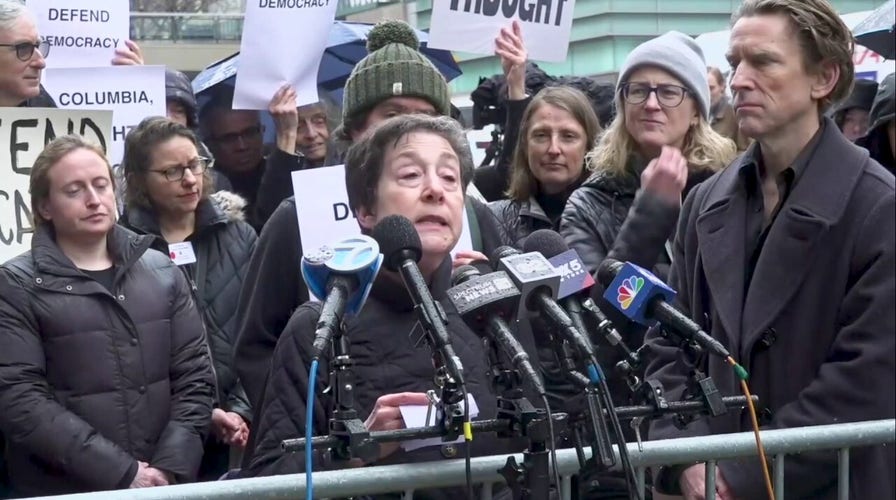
(125, 247)
(145, 221)
(390, 290)
(816, 203)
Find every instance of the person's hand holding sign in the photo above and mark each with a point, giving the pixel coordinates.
(510, 48)
(286, 118)
(129, 55)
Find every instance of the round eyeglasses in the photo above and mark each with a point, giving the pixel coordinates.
(25, 50)
(667, 94)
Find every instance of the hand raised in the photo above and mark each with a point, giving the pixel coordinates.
(666, 175)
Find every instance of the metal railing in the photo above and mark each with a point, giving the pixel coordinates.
(406, 478)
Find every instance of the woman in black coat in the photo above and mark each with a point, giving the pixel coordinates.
(107, 381)
(418, 167)
(167, 196)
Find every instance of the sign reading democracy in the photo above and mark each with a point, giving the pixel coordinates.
(472, 25)
(132, 92)
(323, 210)
(82, 33)
(23, 134)
(273, 23)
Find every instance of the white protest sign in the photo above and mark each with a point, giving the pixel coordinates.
(324, 214)
(473, 25)
(23, 134)
(283, 42)
(131, 92)
(82, 33)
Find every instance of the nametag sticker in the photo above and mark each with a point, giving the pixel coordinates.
(182, 253)
(415, 417)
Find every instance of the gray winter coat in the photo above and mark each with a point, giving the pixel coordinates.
(91, 381)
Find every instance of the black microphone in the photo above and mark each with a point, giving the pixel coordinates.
(485, 302)
(644, 298)
(574, 285)
(401, 248)
(538, 282)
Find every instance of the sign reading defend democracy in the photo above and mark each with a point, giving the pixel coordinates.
(23, 134)
(323, 211)
(283, 42)
(472, 25)
(82, 33)
(131, 92)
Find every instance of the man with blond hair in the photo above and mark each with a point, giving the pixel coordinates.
(787, 258)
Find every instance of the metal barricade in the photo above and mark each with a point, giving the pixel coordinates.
(406, 478)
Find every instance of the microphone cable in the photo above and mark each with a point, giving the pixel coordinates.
(309, 433)
(742, 376)
(468, 443)
(553, 447)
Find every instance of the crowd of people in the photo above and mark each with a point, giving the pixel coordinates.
(159, 330)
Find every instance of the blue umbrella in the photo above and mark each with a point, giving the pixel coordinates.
(876, 31)
(345, 47)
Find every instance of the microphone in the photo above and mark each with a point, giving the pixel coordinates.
(574, 279)
(645, 299)
(402, 249)
(341, 275)
(484, 302)
(539, 282)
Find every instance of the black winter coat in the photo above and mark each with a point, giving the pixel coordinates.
(520, 219)
(223, 243)
(274, 289)
(386, 361)
(93, 381)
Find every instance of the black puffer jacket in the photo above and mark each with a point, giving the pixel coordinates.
(93, 381)
(386, 361)
(223, 243)
(520, 219)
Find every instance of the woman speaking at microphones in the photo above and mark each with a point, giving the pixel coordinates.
(417, 167)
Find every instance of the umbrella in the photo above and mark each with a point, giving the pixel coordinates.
(876, 31)
(345, 47)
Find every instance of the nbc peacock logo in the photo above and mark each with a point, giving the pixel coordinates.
(628, 290)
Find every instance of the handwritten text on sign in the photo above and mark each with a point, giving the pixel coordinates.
(472, 25)
(23, 134)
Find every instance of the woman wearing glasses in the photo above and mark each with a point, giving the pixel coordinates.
(167, 194)
(659, 146)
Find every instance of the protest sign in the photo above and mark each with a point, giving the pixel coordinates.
(82, 33)
(279, 31)
(132, 92)
(473, 25)
(23, 134)
(323, 211)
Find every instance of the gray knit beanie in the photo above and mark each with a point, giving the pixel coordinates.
(394, 67)
(678, 54)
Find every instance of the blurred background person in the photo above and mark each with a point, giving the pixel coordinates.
(721, 113)
(168, 196)
(852, 115)
(880, 140)
(548, 143)
(107, 379)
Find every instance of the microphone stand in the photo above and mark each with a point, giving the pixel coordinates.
(532, 479)
(351, 435)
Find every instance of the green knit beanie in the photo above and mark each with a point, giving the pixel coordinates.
(394, 67)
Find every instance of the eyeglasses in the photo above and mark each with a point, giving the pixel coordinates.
(196, 167)
(25, 50)
(667, 94)
(250, 133)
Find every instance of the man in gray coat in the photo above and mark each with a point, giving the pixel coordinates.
(787, 258)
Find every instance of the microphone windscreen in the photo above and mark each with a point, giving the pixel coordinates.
(607, 271)
(546, 242)
(398, 239)
(462, 274)
(500, 253)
